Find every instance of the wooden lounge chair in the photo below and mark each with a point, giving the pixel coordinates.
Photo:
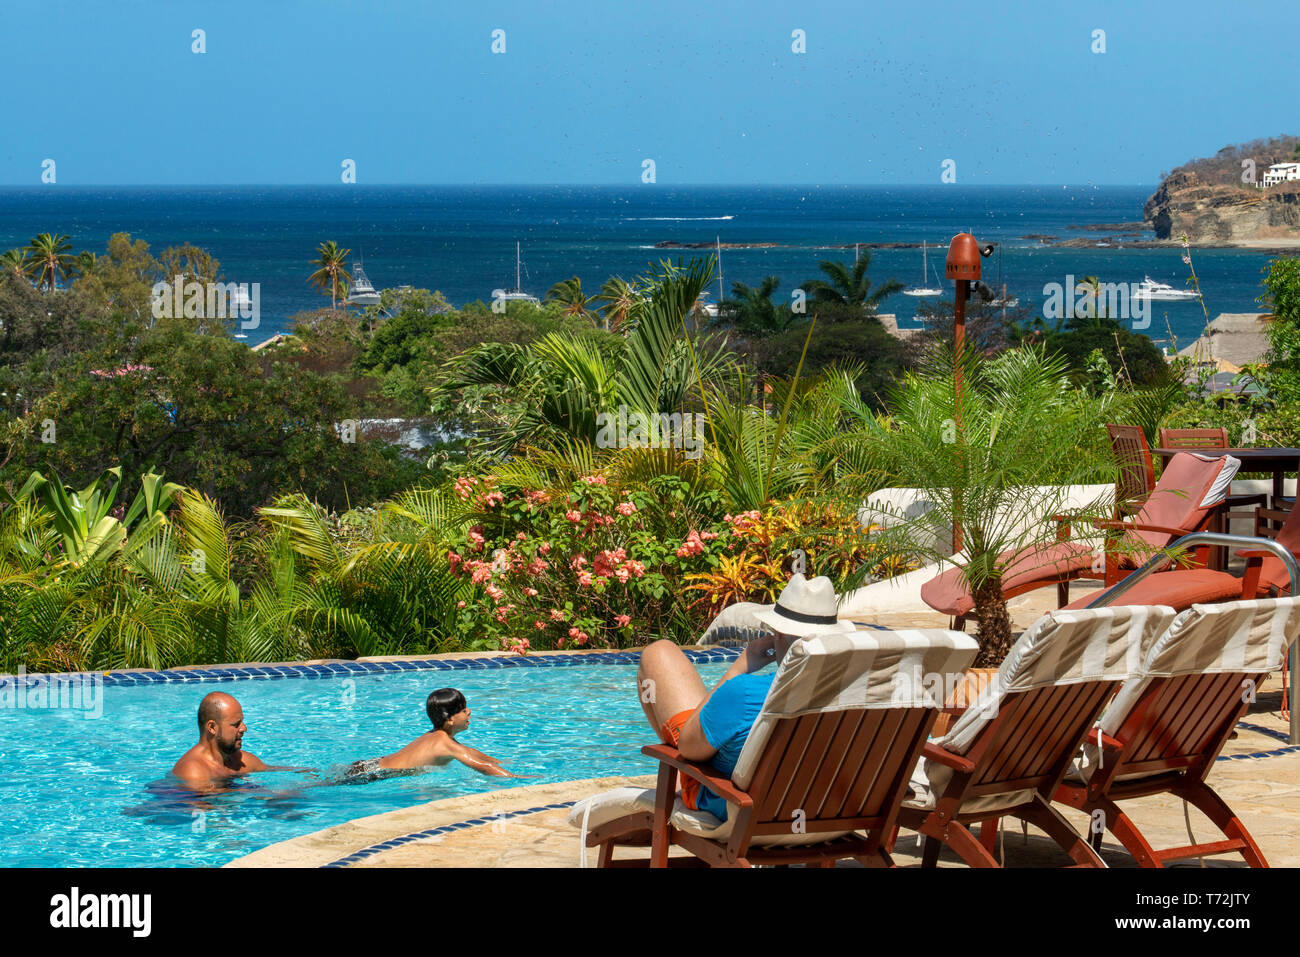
(822, 773)
(1007, 754)
(1168, 723)
(1183, 501)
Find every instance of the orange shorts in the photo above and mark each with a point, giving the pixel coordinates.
(671, 732)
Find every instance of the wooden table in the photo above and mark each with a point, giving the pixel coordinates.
(1277, 461)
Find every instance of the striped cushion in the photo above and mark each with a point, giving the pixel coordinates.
(862, 669)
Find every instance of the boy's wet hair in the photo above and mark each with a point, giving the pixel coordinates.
(443, 704)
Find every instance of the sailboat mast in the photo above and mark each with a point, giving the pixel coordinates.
(518, 284)
(718, 240)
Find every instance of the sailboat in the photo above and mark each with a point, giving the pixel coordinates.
(923, 290)
(516, 294)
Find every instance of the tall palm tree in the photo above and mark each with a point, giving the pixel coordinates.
(620, 299)
(50, 259)
(849, 285)
(568, 293)
(332, 272)
(16, 261)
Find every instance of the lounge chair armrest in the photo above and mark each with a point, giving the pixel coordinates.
(954, 761)
(706, 774)
(1136, 527)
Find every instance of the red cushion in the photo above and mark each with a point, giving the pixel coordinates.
(1175, 502)
(1048, 564)
(1179, 589)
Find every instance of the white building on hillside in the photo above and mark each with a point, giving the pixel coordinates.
(1281, 173)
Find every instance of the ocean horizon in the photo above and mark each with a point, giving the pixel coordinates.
(460, 239)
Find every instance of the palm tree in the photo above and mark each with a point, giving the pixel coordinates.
(998, 465)
(332, 272)
(50, 259)
(753, 313)
(621, 299)
(16, 261)
(849, 285)
(87, 263)
(568, 293)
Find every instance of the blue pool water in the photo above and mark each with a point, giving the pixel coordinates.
(95, 792)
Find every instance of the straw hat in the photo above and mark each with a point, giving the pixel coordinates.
(806, 608)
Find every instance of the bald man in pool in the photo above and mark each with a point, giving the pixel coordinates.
(218, 754)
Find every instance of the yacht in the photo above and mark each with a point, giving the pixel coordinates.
(1159, 292)
(516, 294)
(923, 290)
(363, 291)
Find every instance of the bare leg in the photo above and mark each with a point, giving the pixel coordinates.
(667, 683)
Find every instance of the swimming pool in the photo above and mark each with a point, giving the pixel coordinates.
(77, 791)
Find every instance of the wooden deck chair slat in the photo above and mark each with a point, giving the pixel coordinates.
(836, 751)
(773, 754)
(1054, 711)
(886, 761)
(864, 736)
(1076, 712)
(1038, 715)
(774, 783)
(1194, 717)
(803, 767)
(880, 736)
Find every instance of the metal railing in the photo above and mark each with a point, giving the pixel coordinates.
(1157, 562)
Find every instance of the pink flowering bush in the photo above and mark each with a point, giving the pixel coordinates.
(590, 567)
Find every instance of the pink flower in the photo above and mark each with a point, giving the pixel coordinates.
(520, 537)
(573, 515)
(625, 508)
(460, 604)
(574, 632)
(530, 592)
(539, 625)
(481, 574)
(453, 559)
(492, 498)
(495, 593)
(577, 561)
(585, 579)
(557, 615)
(537, 566)
(622, 620)
(636, 568)
(593, 480)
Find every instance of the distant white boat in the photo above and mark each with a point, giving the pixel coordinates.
(923, 290)
(516, 294)
(363, 291)
(1159, 292)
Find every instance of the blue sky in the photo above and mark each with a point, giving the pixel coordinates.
(586, 91)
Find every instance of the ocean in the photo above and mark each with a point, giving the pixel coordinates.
(461, 239)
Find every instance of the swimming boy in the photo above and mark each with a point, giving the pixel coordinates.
(450, 714)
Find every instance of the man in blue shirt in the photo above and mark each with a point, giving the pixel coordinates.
(714, 725)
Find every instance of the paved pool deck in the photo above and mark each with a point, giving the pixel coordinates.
(528, 826)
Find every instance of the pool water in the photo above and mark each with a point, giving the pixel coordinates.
(96, 792)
